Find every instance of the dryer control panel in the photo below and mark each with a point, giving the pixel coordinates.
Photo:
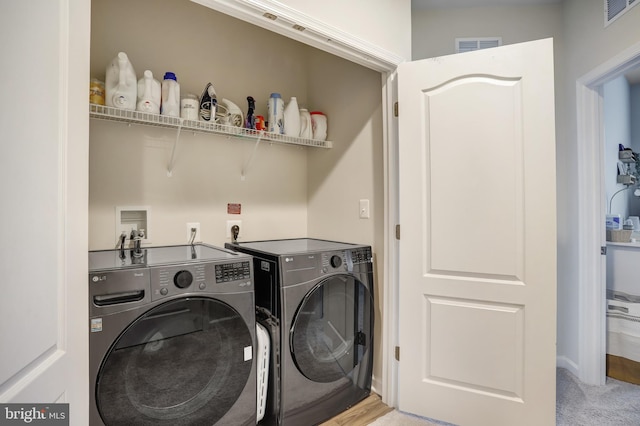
(345, 260)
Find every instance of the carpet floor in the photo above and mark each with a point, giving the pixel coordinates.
(614, 404)
(577, 404)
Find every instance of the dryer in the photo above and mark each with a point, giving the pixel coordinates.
(321, 293)
(172, 339)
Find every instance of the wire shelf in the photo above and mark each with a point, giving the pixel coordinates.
(137, 117)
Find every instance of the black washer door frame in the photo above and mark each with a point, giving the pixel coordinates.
(332, 329)
(183, 362)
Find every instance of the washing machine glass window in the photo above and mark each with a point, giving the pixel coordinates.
(181, 363)
(330, 332)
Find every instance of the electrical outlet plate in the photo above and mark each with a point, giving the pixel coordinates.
(230, 223)
(364, 209)
(191, 225)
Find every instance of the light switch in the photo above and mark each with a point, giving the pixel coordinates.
(364, 209)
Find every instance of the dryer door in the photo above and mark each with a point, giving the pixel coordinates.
(181, 363)
(332, 330)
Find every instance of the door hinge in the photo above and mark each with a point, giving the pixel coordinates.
(398, 232)
(603, 250)
(395, 109)
(397, 353)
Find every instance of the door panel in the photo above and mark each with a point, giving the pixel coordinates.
(475, 176)
(44, 307)
(492, 332)
(478, 246)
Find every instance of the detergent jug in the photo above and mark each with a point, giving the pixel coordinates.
(170, 95)
(306, 131)
(292, 118)
(149, 94)
(121, 85)
(275, 109)
(319, 125)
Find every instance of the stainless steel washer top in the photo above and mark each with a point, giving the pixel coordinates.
(102, 260)
(296, 246)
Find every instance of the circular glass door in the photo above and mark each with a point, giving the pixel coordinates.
(332, 329)
(181, 363)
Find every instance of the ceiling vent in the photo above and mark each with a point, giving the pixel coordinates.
(613, 9)
(469, 44)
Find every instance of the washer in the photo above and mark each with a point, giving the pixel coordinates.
(172, 337)
(321, 293)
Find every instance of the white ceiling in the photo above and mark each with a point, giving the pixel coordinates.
(426, 4)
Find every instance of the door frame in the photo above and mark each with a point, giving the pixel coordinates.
(591, 367)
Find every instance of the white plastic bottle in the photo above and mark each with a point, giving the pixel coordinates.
(170, 95)
(275, 109)
(149, 94)
(319, 125)
(292, 118)
(189, 107)
(306, 131)
(121, 85)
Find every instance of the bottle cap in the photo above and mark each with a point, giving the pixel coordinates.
(170, 76)
(275, 95)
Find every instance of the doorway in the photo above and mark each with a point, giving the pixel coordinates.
(591, 263)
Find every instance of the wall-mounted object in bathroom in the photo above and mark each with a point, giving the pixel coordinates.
(626, 179)
(133, 220)
(626, 175)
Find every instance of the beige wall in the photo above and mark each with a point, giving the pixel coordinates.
(434, 30)
(129, 164)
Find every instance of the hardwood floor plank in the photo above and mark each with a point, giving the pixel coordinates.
(361, 414)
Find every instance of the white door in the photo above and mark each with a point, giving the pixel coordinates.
(477, 292)
(43, 175)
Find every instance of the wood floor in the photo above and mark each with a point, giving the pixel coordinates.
(362, 413)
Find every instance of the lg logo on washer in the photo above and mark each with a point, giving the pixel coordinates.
(99, 278)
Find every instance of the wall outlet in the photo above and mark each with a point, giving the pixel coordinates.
(230, 223)
(190, 226)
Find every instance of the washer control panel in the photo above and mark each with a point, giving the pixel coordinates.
(169, 281)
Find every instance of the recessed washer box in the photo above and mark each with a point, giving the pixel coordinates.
(133, 218)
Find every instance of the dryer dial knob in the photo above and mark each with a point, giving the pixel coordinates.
(336, 261)
(183, 279)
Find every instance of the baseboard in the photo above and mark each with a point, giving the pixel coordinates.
(376, 385)
(567, 364)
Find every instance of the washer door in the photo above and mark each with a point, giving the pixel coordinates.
(181, 363)
(332, 329)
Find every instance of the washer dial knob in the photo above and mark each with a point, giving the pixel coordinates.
(183, 279)
(336, 261)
